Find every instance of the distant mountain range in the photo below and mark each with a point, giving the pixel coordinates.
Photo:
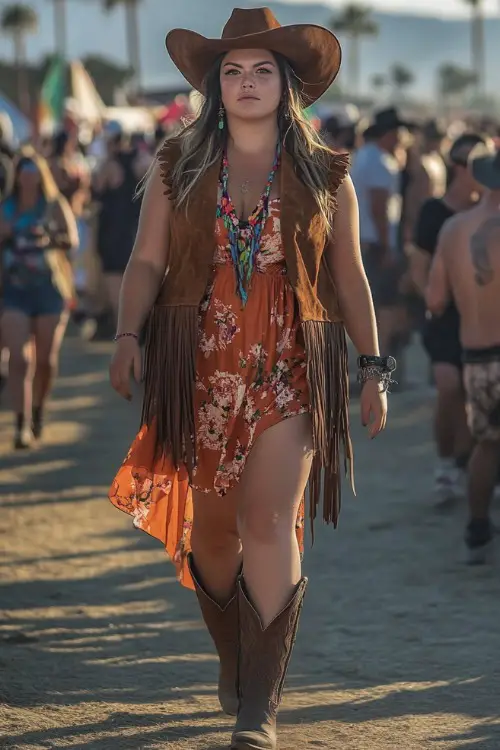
(421, 43)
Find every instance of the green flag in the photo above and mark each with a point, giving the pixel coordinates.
(53, 92)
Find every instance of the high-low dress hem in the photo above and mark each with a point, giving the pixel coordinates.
(251, 375)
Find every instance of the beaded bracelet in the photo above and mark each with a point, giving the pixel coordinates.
(126, 335)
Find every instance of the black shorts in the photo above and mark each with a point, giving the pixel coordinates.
(384, 280)
(441, 340)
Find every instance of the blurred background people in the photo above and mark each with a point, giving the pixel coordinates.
(37, 230)
(340, 128)
(376, 174)
(466, 269)
(114, 188)
(441, 332)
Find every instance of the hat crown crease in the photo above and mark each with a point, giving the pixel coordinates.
(250, 21)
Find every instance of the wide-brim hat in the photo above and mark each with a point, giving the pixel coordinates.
(386, 120)
(313, 51)
(433, 130)
(485, 166)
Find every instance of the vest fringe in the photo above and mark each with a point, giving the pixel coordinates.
(170, 376)
(327, 374)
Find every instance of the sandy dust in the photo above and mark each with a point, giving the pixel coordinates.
(101, 649)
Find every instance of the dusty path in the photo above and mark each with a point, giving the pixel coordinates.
(101, 649)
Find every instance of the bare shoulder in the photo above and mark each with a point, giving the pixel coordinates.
(458, 225)
(346, 195)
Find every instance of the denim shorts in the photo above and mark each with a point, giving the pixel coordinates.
(33, 300)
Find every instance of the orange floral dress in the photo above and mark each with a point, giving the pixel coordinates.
(251, 374)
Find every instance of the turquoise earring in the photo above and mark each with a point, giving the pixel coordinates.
(221, 117)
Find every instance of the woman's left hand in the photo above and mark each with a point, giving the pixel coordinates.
(373, 407)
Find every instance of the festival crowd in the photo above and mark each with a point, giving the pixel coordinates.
(68, 219)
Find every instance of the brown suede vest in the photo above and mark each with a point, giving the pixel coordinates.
(171, 348)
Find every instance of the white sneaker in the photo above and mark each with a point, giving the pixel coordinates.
(447, 483)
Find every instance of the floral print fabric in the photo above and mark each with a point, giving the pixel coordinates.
(251, 374)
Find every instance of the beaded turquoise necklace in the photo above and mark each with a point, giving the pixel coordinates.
(245, 237)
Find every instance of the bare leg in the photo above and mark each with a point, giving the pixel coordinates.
(463, 438)
(215, 543)
(450, 426)
(270, 492)
(16, 337)
(483, 473)
(49, 333)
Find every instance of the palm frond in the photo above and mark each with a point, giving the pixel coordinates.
(20, 18)
(355, 20)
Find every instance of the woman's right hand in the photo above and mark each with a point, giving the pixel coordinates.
(126, 360)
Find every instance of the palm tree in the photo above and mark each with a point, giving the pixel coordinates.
(60, 27)
(18, 21)
(355, 22)
(477, 42)
(454, 82)
(401, 78)
(132, 25)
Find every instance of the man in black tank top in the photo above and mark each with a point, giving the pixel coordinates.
(440, 335)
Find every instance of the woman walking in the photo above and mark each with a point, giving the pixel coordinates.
(246, 385)
(37, 230)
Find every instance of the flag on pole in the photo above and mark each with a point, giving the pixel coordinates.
(52, 95)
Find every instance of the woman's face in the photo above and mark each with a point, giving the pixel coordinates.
(28, 176)
(250, 83)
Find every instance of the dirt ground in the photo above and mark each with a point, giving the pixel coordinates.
(100, 648)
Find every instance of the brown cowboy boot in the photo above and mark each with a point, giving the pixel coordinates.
(263, 661)
(222, 624)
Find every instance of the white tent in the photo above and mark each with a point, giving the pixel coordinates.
(84, 100)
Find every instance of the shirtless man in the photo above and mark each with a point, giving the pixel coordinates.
(441, 333)
(467, 268)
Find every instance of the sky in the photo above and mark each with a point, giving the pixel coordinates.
(437, 8)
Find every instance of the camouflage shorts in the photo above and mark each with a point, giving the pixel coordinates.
(482, 386)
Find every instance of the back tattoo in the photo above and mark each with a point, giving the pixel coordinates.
(482, 243)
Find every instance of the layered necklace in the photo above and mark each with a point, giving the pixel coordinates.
(245, 237)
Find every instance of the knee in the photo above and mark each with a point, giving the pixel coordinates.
(216, 534)
(263, 525)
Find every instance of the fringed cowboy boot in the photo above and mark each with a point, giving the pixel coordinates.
(222, 624)
(264, 656)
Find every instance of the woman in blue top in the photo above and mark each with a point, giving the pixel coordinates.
(37, 229)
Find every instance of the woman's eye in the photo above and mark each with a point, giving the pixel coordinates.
(231, 72)
(263, 70)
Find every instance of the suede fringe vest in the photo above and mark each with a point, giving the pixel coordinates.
(172, 330)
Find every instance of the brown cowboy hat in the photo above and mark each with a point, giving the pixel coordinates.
(313, 51)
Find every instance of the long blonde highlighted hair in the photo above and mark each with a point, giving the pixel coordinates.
(202, 143)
